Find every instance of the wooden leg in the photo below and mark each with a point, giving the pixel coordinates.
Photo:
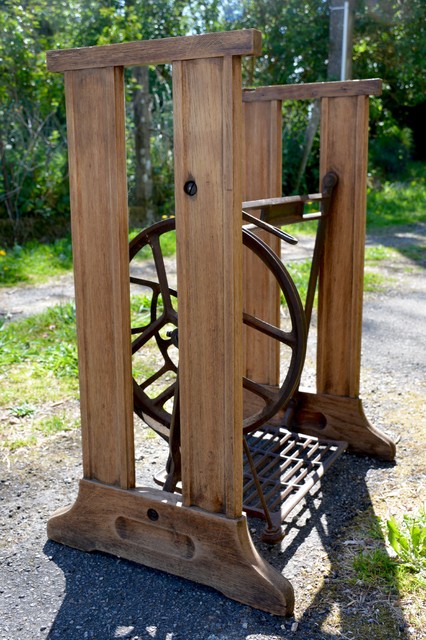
(262, 178)
(344, 140)
(152, 527)
(341, 418)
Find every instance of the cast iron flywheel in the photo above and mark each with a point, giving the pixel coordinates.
(155, 331)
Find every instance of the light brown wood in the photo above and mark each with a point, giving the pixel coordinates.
(314, 90)
(340, 418)
(98, 185)
(207, 133)
(344, 136)
(245, 42)
(262, 157)
(153, 528)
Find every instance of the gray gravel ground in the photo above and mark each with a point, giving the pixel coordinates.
(50, 591)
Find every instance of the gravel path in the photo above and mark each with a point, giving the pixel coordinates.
(50, 591)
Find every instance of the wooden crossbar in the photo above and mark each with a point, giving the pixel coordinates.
(246, 42)
(314, 90)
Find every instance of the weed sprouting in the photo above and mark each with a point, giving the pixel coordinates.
(408, 540)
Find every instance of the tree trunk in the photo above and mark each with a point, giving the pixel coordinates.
(142, 211)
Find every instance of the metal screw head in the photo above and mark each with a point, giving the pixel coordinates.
(152, 514)
(190, 188)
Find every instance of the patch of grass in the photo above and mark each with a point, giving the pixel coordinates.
(408, 539)
(22, 410)
(38, 358)
(376, 568)
(28, 433)
(398, 203)
(414, 252)
(374, 282)
(391, 203)
(35, 262)
(379, 253)
(299, 271)
(405, 570)
(18, 443)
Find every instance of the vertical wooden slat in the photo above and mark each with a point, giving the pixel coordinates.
(97, 161)
(207, 130)
(344, 139)
(262, 178)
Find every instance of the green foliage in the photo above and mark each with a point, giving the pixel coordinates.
(299, 271)
(408, 540)
(38, 356)
(390, 43)
(22, 410)
(399, 202)
(390, 149)
(35, 262)
(33, 156)
(33, 162)
(376, 568)
(407, 569)
(28, 432)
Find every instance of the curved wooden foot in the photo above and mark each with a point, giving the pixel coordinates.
(341, 418)
(151, 527)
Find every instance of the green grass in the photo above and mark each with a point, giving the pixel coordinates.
(391, 204)
(38, 359)
(394, 203)
(299, 270)
(27, 434)
(398, 203)
(35, 262)
(376, 568)
(402, 568)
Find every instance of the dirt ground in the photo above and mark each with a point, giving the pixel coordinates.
(51, 591)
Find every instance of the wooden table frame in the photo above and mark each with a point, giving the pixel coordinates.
(335, 411)
(202, 535)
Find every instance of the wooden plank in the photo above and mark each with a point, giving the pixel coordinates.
(245, 42)
(314, 90)
(207, 133)
(262, 158)
(152, 527)
(344, 135)
(97, 168)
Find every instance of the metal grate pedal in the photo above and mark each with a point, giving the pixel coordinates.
(287, 466)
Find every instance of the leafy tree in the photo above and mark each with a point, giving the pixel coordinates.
(32, 142)
(391, 44)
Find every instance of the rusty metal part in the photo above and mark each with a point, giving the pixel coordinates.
(286, 466)
(163, 313)
(280, 467)
(265, 226)
(291, 209)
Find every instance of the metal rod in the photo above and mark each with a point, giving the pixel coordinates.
(268, 227)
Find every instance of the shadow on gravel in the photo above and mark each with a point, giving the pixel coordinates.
(322, 520)
(106, 597)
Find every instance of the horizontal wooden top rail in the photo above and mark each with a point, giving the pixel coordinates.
(314, 90)
(245, 42)
(273, 203)
(288, 209)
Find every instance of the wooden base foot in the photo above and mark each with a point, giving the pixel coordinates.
(341, 418)
(151, 527)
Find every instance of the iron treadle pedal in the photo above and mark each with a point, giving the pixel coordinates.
(287, 466)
